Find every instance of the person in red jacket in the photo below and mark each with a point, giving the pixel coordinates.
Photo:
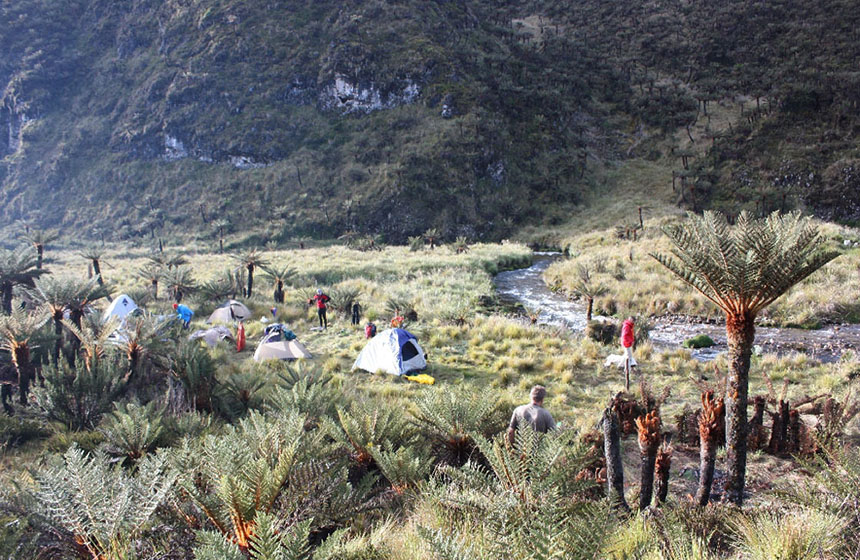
(321, 299)
(627, 339)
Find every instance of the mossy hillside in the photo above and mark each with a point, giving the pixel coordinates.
(135, 112)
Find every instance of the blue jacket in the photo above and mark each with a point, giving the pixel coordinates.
(184, 313)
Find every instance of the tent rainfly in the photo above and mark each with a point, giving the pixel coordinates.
(276, 346)
(212, 336)
(230, 312)
(394, 351)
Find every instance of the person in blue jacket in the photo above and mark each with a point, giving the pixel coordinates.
(185, 314)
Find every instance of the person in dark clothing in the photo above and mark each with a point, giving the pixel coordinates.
(356, 313)
(321, 299)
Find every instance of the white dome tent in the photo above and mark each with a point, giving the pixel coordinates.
(121, 307)
(394, 351)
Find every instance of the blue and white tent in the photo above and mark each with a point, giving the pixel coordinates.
(394, 351)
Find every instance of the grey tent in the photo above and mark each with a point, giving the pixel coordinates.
(230, 312)
(276, 346)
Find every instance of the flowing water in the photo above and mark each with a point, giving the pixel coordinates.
(526, 287)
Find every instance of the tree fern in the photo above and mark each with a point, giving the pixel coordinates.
(448, 417)
(526, 501)
(362, 428)
(233, 477)
(403, 468)
(132, 430)
(77, 396)
(742, 269)
(101, 505)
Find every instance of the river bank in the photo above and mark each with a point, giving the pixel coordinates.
(527, 287)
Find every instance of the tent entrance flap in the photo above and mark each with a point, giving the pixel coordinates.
(408, 351)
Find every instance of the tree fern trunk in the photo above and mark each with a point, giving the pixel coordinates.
(40, 250)
(98, 272)
(664, 463)
(58, 333)
(588, 310)
(279, 293)
(740, 331)
(648, 428)
(21, 359)
(756, 425)
(614, 466)
(155, 288)
(250, 279)
(7, 298)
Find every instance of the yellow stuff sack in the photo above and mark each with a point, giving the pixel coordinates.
(421, 378)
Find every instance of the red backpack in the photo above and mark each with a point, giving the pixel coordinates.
(369, 330)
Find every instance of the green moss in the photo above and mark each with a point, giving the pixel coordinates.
(699, 341)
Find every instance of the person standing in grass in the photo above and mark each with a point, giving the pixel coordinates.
(321, 300)
(627, 339)
(532, 414)
(185, 314)
(397, 320)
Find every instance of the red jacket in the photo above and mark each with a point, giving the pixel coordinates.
(627, 334)
(321, 300)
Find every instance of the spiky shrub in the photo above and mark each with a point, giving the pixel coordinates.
(447, 420)
(278, 275)
(833, 488)
(143, 342)
(132, 430)
(403, 306)
(216, 289)
(78, 396)
(251, 260)
(16, 330)
(242, 392)
(100, 507)
(528, 501)
(794, 535)
(663, 537)
(343, 545)
(17, 268)
(179, 282)
(343, 298)
(742, 269)
(416, 243)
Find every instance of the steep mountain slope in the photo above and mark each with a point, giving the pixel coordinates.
(298, 118)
